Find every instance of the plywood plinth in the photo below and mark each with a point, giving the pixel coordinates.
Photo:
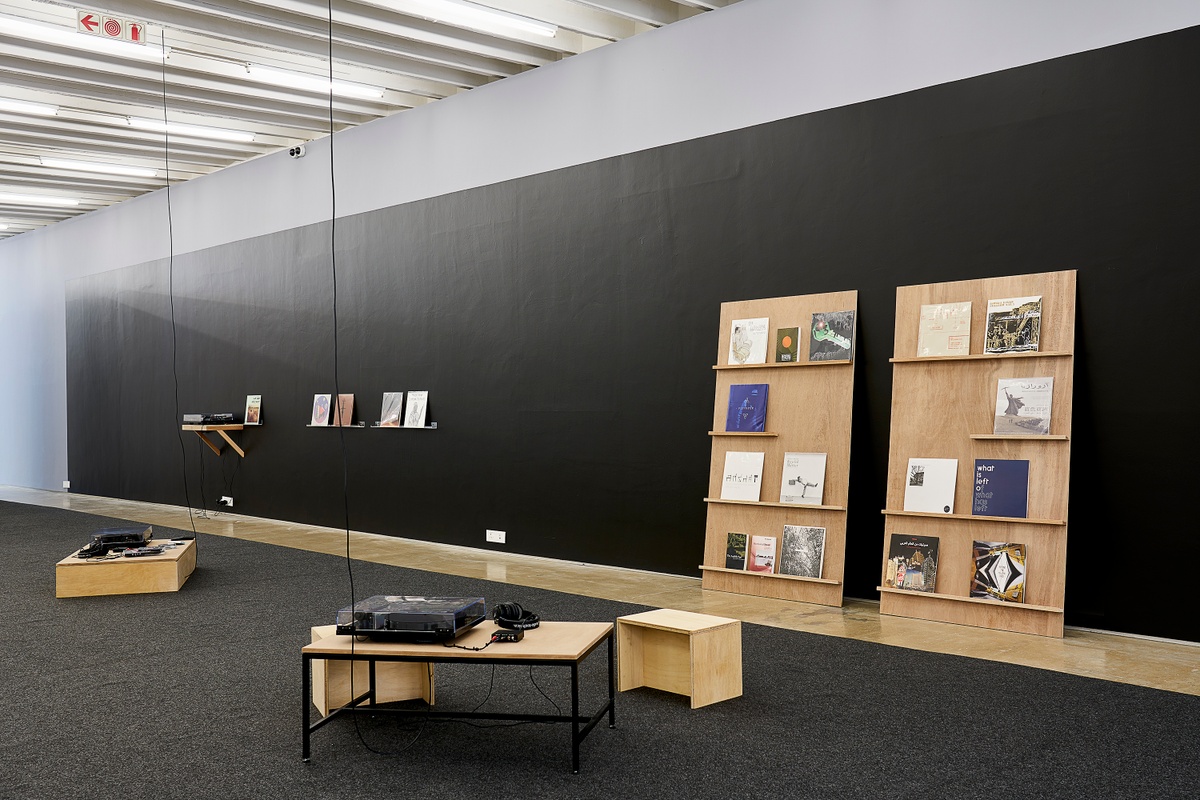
(167, 572)
(696, 655)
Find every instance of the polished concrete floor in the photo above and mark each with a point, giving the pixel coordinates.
(1173, 666)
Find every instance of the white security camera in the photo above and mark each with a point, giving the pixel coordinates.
(297, 151)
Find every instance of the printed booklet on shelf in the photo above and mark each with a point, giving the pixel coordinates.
(787, 345)
(761, 557)
(945, 330)
(345, 411)
(1023, 406)
(743, 476)
(747, 411)
(748, 341)
(803, 479)
(417, 404)
(1014, 325)
(998, 571)
(320, 414)
(832, 336)
(929, 485)
(253, 414)
(912, 563)
(393, 405)
(735, 551)
(802, 552)
(1001, 488)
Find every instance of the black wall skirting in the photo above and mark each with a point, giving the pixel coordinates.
(565, 325)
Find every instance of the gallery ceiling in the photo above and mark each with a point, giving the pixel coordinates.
(84, 87)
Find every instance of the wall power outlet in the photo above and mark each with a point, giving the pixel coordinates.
(226, 501)
(496, 537)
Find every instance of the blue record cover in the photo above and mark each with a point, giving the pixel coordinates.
(1001, 488)
(747, 408)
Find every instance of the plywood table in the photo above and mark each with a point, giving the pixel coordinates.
(332, 686)
(165, 572)
(697, 655)
(555, 644)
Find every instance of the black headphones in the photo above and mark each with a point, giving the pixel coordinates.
(513, 617)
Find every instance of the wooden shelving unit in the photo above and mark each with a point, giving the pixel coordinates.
(220, 430)
(808, 411)
(941, 408)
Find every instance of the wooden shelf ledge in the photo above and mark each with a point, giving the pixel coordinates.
(784, 364)
(978, 600)
(1032, 437)
(979, 357)
(770, 575)
(741, 433)
(220, 430)
(973, 517)
(719, 501)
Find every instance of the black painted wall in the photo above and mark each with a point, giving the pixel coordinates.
(565, 325)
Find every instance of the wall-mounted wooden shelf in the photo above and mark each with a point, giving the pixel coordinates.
(973, 517)
(773, 505)
(741, 433)
(976, 356)
(222, 431)
(770, 575)
(957, 599)
(1033, 437)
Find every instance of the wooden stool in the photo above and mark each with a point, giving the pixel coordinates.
(393, 680)
(677, 651)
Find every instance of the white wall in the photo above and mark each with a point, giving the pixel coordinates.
(754, 62)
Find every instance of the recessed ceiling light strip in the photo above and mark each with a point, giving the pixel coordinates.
(474, 15)
(37, 199)
(24, 107)
(94, 166)
(184, 129)
(312, 83)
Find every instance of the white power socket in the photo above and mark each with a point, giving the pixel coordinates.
(66, 484)
(496, 537)
(226, 501)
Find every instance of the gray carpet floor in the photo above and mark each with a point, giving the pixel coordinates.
(196, 694)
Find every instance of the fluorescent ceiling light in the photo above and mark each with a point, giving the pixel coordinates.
(93, 166)
(473, 14)
(183, 129)
(57, 34)
(37, 199)
(22, 107)
(3, 227)
(298, 80)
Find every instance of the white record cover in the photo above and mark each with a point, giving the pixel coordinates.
(417, 404)
(389, 413)
(743, 476)
(253, 414)
(803, 479)
(929, 485)
(1023, 406)
(945, 330)
(748, 341)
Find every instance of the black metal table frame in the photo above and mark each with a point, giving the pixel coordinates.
(578, 734)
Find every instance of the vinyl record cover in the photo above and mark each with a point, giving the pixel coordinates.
(1001, 488)
(393, 405)
(417, 406)
(735, 551)
(998, 571)
(253, 414)
(803, 551)
(929, 485)
(787, 345)
(748, 341)
(945, 330)
(803, 479)
(1014, 325)
(320, 414)
(1023, 406)
(831, 336)
(761, 557)
(912, 562)
(742, 479)
(747, 412)
(344, 414)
